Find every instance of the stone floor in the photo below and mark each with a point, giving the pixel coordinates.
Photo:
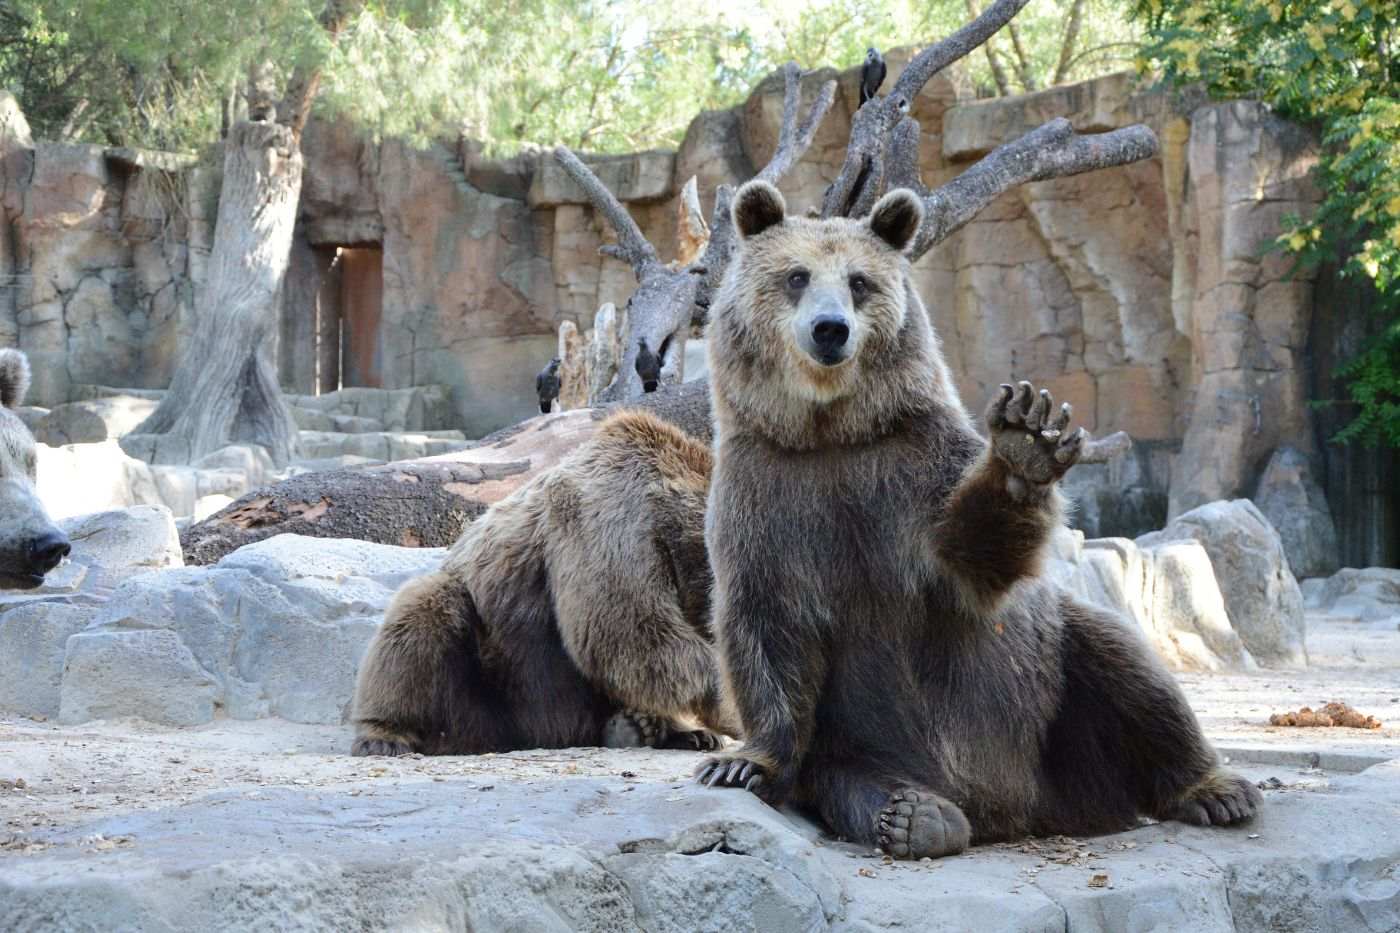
(267, 824)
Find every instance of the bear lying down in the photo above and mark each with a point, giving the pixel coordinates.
(876, 625)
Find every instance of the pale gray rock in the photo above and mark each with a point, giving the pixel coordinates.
(1291, 499)
(1261, 595)
(1369, 594)
(33, 637)
(147, 673)
(279, 627)
(93, 421)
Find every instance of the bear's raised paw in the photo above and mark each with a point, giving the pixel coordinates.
(920, 824)
(1032, 445)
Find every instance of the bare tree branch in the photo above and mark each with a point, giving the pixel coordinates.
(1050, 151)
(959, 45)
(1023, 61)
(794, 139)
(858, 184)
(632, 246)
(1070, 40)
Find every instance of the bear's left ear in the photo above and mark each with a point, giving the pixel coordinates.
(896, 218)
(758, 206)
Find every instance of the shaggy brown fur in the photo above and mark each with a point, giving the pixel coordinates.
(30, 545)
(898, 663)
(574, 612)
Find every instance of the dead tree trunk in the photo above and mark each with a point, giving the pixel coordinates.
(225, 389)
(660, 310)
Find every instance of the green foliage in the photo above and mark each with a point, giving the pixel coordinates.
(603, 75)
(1334, 64)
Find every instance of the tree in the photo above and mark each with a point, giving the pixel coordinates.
(1334, 64)
(882, 154)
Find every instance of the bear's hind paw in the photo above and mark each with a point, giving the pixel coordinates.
(1219, 800)
(920, 824)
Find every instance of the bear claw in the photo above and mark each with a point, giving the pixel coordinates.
(387, 746)
(920, 824)
(726, 771)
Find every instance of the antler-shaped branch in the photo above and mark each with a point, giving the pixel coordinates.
(632, 247)
(863, 174)
(794, 139)
(1050, 151)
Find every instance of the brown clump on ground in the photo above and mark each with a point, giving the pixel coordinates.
(1331, 714)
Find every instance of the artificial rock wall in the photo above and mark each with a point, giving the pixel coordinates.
(1142, 294)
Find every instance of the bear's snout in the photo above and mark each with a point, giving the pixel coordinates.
(47, 551)
(829, 335)
(824, 330)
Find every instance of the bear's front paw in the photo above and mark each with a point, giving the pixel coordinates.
(736, 770)
(920, 824)
(1035, 448)
(1221, 799)
(382, 743)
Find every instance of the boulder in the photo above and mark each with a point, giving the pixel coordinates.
(1291, 499)
(94, 421)
(275, 629)
(145, 673)
(1370, 594)
(35, 625)
(1261, 596)
(1169, 591)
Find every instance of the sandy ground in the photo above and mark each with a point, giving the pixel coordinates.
(55, 776)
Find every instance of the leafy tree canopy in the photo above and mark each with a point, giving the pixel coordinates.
(605, 75)
(1334, 64)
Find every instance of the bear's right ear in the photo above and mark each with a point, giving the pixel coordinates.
(14, 378)
(758, 206)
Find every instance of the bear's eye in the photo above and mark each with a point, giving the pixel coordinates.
(798, 279)
(860, 286)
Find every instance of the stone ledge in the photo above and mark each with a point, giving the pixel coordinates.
(641, 176)
(972, 130)
(593, 839)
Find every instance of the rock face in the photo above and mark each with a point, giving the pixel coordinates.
(1291, 499)
(1140, 294)
(1261, 596)
(1170, 591)
(275, 629)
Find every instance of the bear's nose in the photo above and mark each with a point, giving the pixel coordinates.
(830, 333)
(45, 552)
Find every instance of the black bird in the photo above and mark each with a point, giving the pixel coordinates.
(649, 364)
(547, 385)
(872, 74)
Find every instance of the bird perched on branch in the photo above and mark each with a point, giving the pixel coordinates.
(547, 385)
(872, 74)
(649, 364)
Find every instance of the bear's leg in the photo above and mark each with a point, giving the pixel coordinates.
(1125, 741)
(630, 729)
(412, 694)
(904, 820)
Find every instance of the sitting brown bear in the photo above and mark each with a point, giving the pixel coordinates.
(898, 662)
(574, 612)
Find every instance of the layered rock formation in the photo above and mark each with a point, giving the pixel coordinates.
(1146, 295)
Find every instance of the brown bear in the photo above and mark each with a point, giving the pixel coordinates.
(574, 612)
(900, 666)
(30, 545)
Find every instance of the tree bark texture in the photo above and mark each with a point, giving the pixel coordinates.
(225, 389)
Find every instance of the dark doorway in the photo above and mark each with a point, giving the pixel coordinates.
(349, 310)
